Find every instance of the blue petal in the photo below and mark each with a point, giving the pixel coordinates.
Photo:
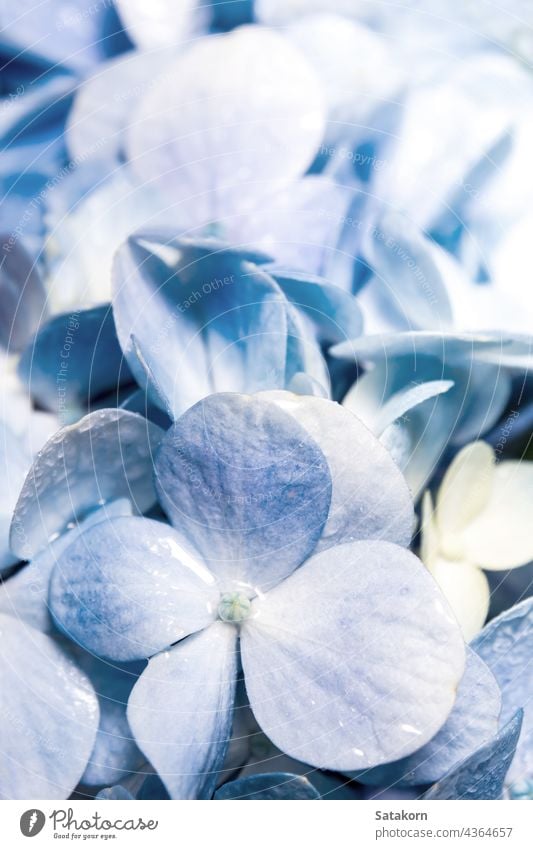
(14, 464)
(506, 646)
(246, 485)
(299, 226)
(481, 776)
(115, 753)
(126, 589)
(105, 456)
(335, 313)
(180, 710)
(324, 675)
(49, 716)
(273, 785)
(73, 358)
(25, 594)
(22, 296)
(359, 510)
(202, 319)
(224, 141)
(472, 722)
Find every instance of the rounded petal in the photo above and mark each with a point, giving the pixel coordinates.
(481, 775)
(49, 716)
(125, 589)
(104, 456)
(25, 594)
(103, 103)
(247, 485)
(408, 279)
(472, 723)
(73, 358)
(499, 537)
(354, 660)
(356, 459)
(506, 646)
(181, 710)
(224, 141)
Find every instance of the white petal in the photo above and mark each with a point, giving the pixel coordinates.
(467, 591)
(501, 536)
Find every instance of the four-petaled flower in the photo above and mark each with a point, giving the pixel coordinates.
(290, 526)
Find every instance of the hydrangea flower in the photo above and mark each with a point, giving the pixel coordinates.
(481, 521)
(505, 644)
(259, 136)
(283, 548)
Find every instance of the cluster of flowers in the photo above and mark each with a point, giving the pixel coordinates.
(265, 318)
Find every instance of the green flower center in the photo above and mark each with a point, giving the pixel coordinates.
(234, 607)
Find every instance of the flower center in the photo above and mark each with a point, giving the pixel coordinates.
(234, 607)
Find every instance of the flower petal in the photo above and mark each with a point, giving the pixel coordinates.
(126, 589)
(14, 464)
(247, 485)
(180, 710)
(49, 716)
(299, 226)
(482, 774)
(506, 646)
(466, 590)
(25, 594)
(103, 103)
(273, 785)
(202, 317)
(74, 357)
(117, 794)
(465, 489)
(22, 296)
(325, 677)
(356, 459)
(224, 141)
(472, 722)
(334, 312)
(115, 753)
(158, 24)
(105, 456)
(407, 277)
